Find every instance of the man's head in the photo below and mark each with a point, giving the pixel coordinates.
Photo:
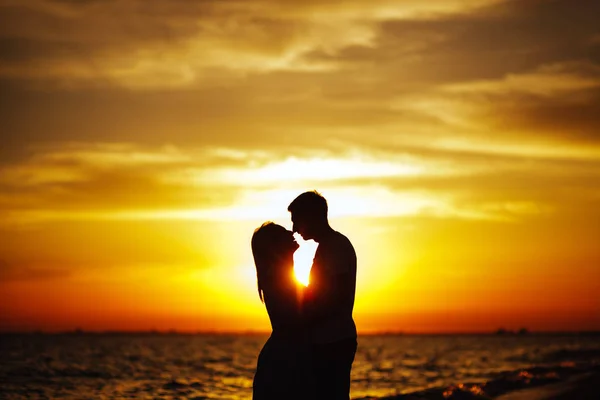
(309, 214)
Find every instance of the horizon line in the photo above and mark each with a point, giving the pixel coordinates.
(166, 332)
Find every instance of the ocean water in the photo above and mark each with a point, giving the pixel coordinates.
(83, 366)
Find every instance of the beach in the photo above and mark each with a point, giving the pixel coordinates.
(585, 386)
(566, 385)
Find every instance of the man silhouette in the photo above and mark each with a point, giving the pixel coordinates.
(328, 307)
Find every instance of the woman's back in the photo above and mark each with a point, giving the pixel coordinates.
(283, 300)
(284, 365)
(283, 369)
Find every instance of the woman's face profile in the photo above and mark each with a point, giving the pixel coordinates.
(288, 242)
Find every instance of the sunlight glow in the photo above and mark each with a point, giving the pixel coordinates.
(271, 205)
(313, 169)
(303, 258)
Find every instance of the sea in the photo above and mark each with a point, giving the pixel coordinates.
(221, 366)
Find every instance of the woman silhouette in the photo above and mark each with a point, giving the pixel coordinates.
(283, 367)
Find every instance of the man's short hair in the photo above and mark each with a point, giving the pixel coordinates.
(309, 203)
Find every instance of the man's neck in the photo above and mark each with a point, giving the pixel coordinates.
(323, 233)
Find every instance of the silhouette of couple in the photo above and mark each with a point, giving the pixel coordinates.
(312, 345)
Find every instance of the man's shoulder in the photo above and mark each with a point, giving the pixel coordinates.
(338, 251)
(341, 241)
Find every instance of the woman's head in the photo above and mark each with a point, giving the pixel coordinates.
(273, 247)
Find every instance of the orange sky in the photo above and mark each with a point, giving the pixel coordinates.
(456, 142)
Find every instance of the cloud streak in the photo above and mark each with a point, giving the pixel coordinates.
(127, 182)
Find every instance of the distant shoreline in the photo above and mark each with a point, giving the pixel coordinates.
(78, 332)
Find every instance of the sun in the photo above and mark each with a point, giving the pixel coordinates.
(303, 259)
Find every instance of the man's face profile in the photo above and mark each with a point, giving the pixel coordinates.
(301, 224)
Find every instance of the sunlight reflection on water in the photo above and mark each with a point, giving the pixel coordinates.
(222, 366)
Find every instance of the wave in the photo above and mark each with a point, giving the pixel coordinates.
(506, 382)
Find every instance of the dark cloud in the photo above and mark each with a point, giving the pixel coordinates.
(483, 43)
(78, 177)
(22, 50)
(412, 56)
(508, 37)
(48, 41)
(558, 118)
(364, 97)
(102, 24)
(250, 116)
(11, 273)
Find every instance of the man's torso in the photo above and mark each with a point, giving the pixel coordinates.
(335, 256)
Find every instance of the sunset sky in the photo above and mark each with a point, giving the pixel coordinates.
(457, 142)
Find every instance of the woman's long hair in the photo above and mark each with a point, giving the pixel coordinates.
(264, 243)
